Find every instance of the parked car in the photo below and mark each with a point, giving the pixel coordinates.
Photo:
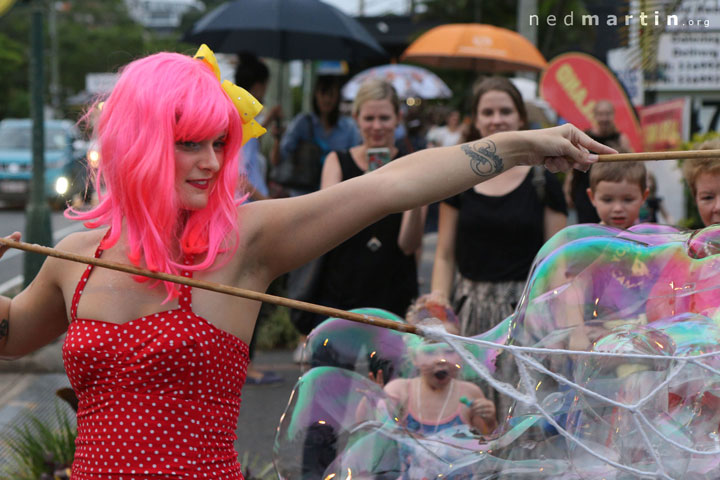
(64, 161)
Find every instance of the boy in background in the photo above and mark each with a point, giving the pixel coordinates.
(618, 191)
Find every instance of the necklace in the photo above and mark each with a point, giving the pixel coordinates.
(445, 404)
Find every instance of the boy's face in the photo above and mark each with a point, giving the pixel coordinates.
(617, 203)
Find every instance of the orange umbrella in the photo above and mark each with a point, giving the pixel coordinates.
(474, 46)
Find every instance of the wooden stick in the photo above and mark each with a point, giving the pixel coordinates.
(646, 156)
(214, 287)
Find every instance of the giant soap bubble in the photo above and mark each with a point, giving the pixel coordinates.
(615, 342)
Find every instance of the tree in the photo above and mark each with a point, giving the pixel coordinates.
(193, 15)
(13, 78)
(93, 36)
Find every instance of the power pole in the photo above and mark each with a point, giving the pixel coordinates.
(37, 212)
(54, 58)
(526, 8)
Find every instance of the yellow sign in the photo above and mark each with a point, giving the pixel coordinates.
(5, 6)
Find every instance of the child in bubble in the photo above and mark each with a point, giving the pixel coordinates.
(435, 399)
(618, 280)
(617, 191)
(434, 404)
(596, 282)
(424, 408)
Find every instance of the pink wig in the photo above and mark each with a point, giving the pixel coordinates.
(160, 100)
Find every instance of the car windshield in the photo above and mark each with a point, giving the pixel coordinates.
(19, 137)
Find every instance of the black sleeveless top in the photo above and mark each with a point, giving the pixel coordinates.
(369, 269)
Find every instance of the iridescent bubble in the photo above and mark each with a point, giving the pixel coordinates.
(327, 405)
(359, 347)
(616, 343)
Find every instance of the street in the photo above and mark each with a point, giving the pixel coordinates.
(13, 219)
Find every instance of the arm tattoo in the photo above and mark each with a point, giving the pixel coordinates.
(484, 160)
(4, 328)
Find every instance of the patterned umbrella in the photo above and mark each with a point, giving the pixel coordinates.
(408, 80)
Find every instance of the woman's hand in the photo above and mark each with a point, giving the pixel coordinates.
(558, 148)
(13, 236)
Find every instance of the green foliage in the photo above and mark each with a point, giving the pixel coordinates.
(35, 443)
(13, 77)
(277, 331)
(560, 38)
(94, 36)
(699, 138)
(254, 469)
(500, 14)
(192, 16)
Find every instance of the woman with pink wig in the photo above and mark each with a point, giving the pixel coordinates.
(158, 368)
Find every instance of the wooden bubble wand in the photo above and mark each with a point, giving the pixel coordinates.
(649, 156)
(214, 287)
(306, 306)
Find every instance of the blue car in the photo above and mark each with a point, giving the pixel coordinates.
(64, 163)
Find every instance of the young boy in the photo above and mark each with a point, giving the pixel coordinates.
(617, 191)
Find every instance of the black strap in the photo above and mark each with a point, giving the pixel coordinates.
(347, 165)
(311, 128)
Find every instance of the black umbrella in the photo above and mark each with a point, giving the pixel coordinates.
(286, 30)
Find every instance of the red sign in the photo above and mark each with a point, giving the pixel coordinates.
(662, 125)
(573, 83)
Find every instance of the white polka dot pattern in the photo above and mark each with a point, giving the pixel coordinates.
(159, 396)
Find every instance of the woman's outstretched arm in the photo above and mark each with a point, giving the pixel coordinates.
(286, 233)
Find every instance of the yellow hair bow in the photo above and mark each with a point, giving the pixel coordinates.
(247, 106)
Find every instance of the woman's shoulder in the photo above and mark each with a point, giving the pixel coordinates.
(82, 243)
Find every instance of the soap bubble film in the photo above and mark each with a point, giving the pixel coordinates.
(615, 346)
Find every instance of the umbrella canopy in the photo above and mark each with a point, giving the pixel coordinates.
(409, 81)
(474, 46)
(286, 30)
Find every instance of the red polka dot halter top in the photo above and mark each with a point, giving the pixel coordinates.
(158, 395)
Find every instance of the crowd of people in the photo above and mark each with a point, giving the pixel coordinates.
(185, 188)
(526, 205)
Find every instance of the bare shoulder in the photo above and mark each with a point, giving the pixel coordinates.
(82, 243)
(79, 242)
(398, 388)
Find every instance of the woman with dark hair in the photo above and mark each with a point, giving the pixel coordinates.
(324, 126)
(524, 206)
(511, 216)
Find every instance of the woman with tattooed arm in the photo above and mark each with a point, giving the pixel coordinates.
(170, 135)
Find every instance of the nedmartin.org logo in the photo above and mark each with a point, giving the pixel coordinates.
(656, 19)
